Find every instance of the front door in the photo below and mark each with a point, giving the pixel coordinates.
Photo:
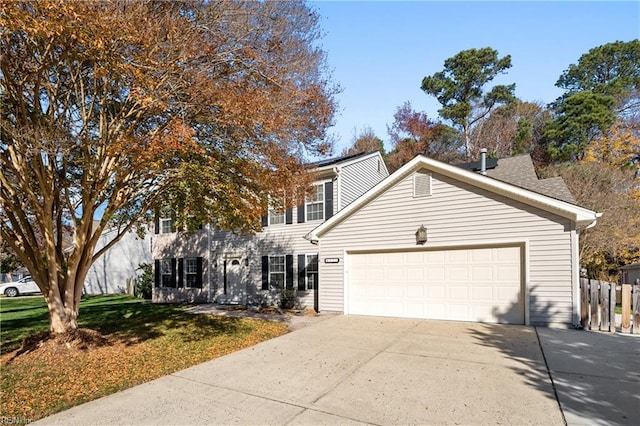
(236, 289)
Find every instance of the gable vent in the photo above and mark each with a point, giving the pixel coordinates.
(421, 184)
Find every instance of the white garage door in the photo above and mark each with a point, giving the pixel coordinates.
(480, 284)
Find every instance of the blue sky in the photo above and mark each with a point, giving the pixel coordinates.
(380, 51)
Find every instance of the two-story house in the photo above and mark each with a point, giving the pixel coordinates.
(217, 265)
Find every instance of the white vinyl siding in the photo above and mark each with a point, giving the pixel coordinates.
(455, 215)
(359, 177)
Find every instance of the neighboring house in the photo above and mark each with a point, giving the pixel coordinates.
(116, 269)
(494, 251)
(210, 264)
(630, 273)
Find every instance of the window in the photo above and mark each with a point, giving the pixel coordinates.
(191, 272)
(276, 217)
(276, 271)
(166, 225)
(312, 271)
(166, 279)
(315, 204)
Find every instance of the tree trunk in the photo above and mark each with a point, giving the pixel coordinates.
(62, 318)
(467, 141)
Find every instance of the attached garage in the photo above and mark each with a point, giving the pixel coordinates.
(495, 252)
(465, 284)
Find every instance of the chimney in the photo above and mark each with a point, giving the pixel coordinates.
(483, 161)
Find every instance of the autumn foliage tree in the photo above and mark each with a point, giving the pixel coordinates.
(512, 129)
(413, 132)
(365, 141)
(607, 180)
(114, 107)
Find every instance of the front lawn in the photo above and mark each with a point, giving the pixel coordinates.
(144, 342)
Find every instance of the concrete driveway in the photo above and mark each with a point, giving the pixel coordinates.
(355, 370)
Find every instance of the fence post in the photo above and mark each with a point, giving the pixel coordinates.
(604, 306)
(636, 307)
(584, 302)
(593, 324)
(626, 308)
(612, 307)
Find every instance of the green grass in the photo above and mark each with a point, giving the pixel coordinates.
(127, 315)
(145, 341)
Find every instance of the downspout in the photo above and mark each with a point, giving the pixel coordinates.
(337, 171)
(575, 277)
(483, 161)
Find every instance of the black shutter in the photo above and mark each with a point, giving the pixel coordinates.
(328, 200)
(289, 270)
(199, 272)
(265, 221)
(224, 276)
(302, 269)
(265, 272)
(156, 214)
(288, 216)
(174, 217)
(156, 274)
(301, 208)
(180, 272)
(173, 272)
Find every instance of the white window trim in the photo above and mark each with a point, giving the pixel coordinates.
(284, 272)
(187, 273)
(163, 274)
(306, 273)
(324, 200)
(272, 213)
(163, 221)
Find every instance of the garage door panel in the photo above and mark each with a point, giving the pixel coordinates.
(467, 284)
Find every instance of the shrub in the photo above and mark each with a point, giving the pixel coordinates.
(144, 281)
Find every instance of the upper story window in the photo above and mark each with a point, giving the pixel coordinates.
(315, 204)
(276, 216)
(166, 225)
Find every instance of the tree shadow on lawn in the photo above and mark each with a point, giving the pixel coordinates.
(123, 318)
(596, 375)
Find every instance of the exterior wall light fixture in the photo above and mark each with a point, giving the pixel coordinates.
(421, 235)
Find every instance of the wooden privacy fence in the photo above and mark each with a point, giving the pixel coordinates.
(598, 306)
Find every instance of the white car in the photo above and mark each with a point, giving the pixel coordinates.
(16, 288)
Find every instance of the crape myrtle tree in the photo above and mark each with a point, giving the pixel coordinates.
(115, 107)
(459, 88)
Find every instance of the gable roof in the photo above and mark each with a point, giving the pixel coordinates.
(344, 159)
(519, 171)
(583, 217)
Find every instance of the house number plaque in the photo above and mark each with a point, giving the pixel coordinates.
(331, 260)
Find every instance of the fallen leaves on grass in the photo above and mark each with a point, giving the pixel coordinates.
(52, 376)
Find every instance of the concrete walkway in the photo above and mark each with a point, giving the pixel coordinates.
(367, 370)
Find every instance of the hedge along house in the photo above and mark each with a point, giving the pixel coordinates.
(216, 265)
(444, 242)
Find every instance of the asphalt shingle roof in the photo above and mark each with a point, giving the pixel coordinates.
(519, 171)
